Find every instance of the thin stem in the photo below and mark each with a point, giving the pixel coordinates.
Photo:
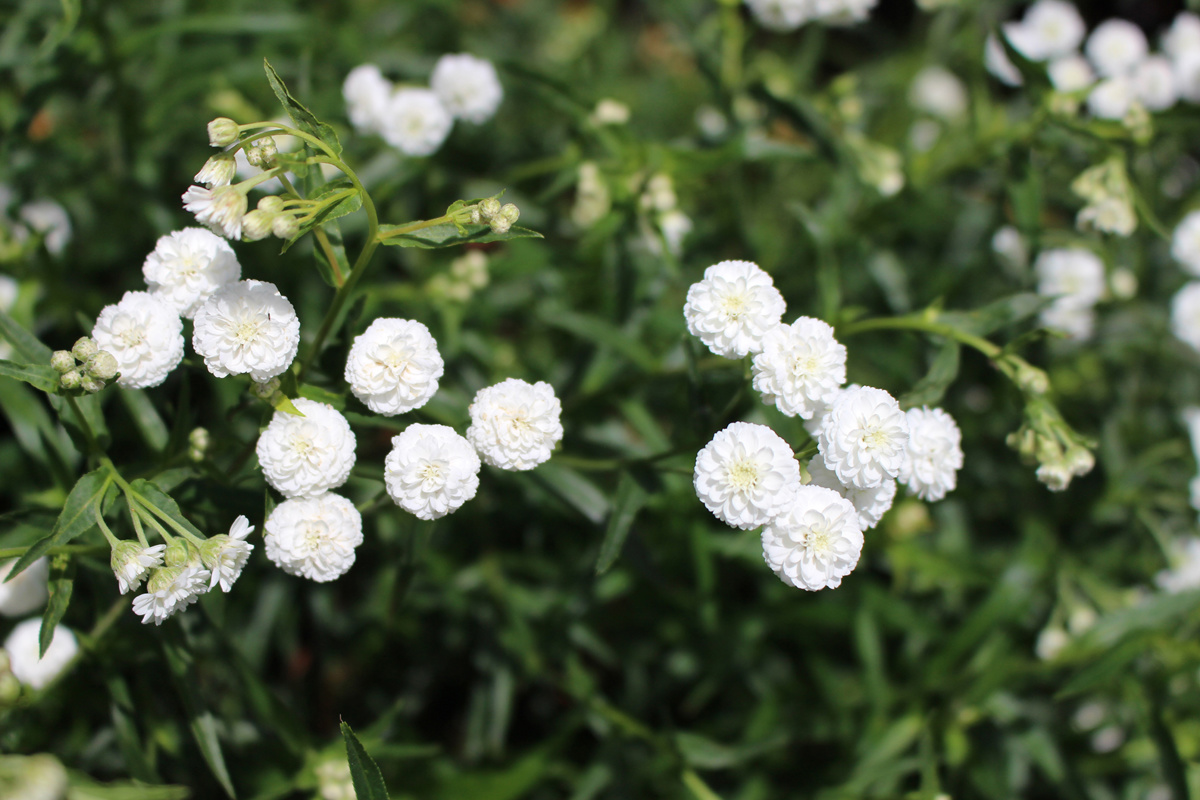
(921, 322)
(137, 522)
(64, 549)
(113, 541)
(88, 435)
(327, 248)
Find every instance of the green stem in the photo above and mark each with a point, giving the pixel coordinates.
(88, 435)
(137, 522)
(113, 541)
(64, 549)
(327, 248)
(732, 35)
(922, 322)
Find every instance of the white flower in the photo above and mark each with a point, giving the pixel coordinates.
(1051, 28)
(1111, 214)
(934, 453)
(938, 91)
(415, 122)
(1154, 83)
(997, 62)
(221, 209)
(871, 504)
(1112, 98)
(247, 327)
(1183, 36)
(305, 456)
(187, 266)
(1050, 642)
(515, 425)
(31, 668)
(467, 86)
(746, 475)
(28, 591)
(366, 93)
(144, 334)
(733, 307)
(225, 555)
(49, 219)
(170, 589)
(219, 170)
(1009, 244)
(1071, 273)
(864, 438)
(431, 471)
(675, 225)
(609, 112)
(843, 12)
(782, 15)
(314, 537)
(394, 366)
(592, 198)
(1187, 76)
(1115, 47)
(130, 562)
(1185, 314)
(800, 367)
(815, 542)
(1077, 322)
(1184, 573)
(1071, 73)
(1185, 243)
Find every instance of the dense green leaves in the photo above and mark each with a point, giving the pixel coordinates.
(62, 583)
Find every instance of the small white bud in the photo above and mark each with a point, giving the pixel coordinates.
(62, 361)
(91, 385)
(285, 226)
(222, 132)
(489, 208)
(103, 366)
(85, 347)
(217, 171)
(257, 225)
(265, 390)
(271, 204)
(70, 380)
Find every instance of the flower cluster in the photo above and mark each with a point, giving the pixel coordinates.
(788, 15)
(467, 274)
(1075, 278)
(37, 218)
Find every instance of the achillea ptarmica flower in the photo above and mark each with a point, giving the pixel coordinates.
(366, 93)
(1154, 83)
(1185, 243)
(467, 86)
(1184, 574)
(415, 122)
(187, 266)
(1115, 47)
(1183, 36)
(314, 537)
(746, 475)
(871, 504)
(997, 62)
(218, 170)
(800, 367)
(145, 335)
(934, 453)
(864, 437)
(815, 542)
(247, 328)
(306, 456)
(515, 425)
(733, 307)
(1071, 73)
(938, 91)
(1112, 98)
(225, 555)
(394, 366)
(1076, 277)
(24, 659)
(1185, 314)
(1049, 29)
(130, 562)
(431, 470)
(170, 589)
(27, 592)
(220, 209)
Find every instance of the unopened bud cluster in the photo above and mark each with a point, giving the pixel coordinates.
(499, 218)
(1045, 439)
(84, 368)
(269, 218)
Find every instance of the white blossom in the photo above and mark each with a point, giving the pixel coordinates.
(366, 93)
(467, 86)
(1115, 47)
(938, 91)
(1112, 98)
(934, 453)
(1184, 574)
(1071, 73)
(1185, 314)
(843, 12)
(24, 653)
(871, 504)
(415, 122)
(247, 327)
(1185, 243)
(1076, 322)
(49, 219)
(1010, 245)
(800, 367)
(733, 307)
(1154, 83)
(131, 561)
(394, 366)
(782, 15)
(221, 209)
(314, 537)
(431, 471)
(997, 62)
(170, 589)
(515, 425)
(815, 542)
(1187, 76)
(1050, 29)
(1183, 36)
(225, 555)
(145, 336)
(187, 266)
(306, 456)
(1112, 214)
(1076, 278)
(746, 475)
(864, 438)
(28, 591)
(592, 197)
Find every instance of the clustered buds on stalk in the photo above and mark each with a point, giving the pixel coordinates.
(1045, 439)
(263, 153)
(84, 368)
(1109, 198)
(499, 217)
(198, 444)
(268, 218)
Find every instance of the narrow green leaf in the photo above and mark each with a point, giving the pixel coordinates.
(995, 316)
(304, 119)
(139, 758)
(628, 501)
(599, 331)
(145, 417)
(347, 205)
(62, 582)
(77, 517)
(311, 392)
(201, 721)
(447, 235)
(84, 788)
(573, 489)
(696, 785)
(24, 344)
(39, 376)
(932, 387)
(89, 407)
(155, 495)
(333, 232)
(368, 780)
(36, 432)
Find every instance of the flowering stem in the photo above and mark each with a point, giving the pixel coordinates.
(732, 35)
(327, 248)
(64, 549)
(108, 534)
(137, 522)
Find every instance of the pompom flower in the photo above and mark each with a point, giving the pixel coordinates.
(515, 425)
(1071, 73)
(1185, 243)
(938, 91)
(314, 537)
(1049, 29)
(27, 592)
(1112, 98)
(871, 504)
(366, 93)
(1076, 278)
(394, 366)
(1154, 83)
(145, 335)
(130, 562)
(247, 327)
(225, 555)
(746, 475)
(467, 86)
(864, 437)
(800, 367)
(187, 266)
(733, 307)
(431, 471)
(815, 542)
(782, 15)
(305, 456)
(934, 453)
(415, 122)
(24, 653)
(221, 209)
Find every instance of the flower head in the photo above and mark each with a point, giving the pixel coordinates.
(366, 93)
(1112, 98)
(221, 209)
(170, 589)
(782, 15)
(415, 122)
(306, 456)
(1076, 278)
(314, 537)
(467, 86)
(1154, 83)
(1049, 29)
(24, 653)
(394, 366)
(131, 561)
(28, 591)
(1184, 574)
(800, 367)
(871, 504)
(431, 471)
(815, 542)
(938, 91)
(225, 555)
(934, 453)
(515, 425)
(247, 327)
(1115, 47)
(746, 475)
(144, 334)
(733, 307)
(187, 266)
(1071, 73)
(864, 437)
(1185, 243)
(219, 170)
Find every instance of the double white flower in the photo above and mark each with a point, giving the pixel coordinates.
(934, 453)
(515, 425)
(144, 335)
(314, 537)
(732, 308)
(394, 366)
(187, 266)
(305, 456)
(864, 438)
(247, 327)
(746, 475)
(431, 471)
(815, 542)
(800, 367)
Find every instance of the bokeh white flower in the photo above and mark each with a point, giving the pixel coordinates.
(366, 93)
(314, 537)
(49, 219)
(431, 471)
(415, 122)
(28, 591)
(467, 86)
(1185, 314)
(1185, 243)
(938, 91)
(24, 653)
(306, 456)
(145, 336)
(1116, 47)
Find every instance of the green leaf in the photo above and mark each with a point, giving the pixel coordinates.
(36, 432)
(62, 581)
(25, 344)
(446, 234)
(341, 208)
(320, 395)
(304, 119)
(573, 489)
(201, 721)
(161, 500)
(930, 389)
(89, 407)
(696, 785)
(39, 376)
(600, 332)
(368, 780)
(145, 418)
(77, 517)
(84, 788)
(138, 756)
(995, 316)
(628, 501)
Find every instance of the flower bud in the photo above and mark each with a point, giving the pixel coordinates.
(285, 226)
(177, 554)
(84, 348)
(62, 361)
(488, 208)
(1079, 460)
(217, 171)
(262, 153)
(1056, 476)
(476, 218)
(70, 380)
(102, 366)
(265, 390)
(510, 212)
(222, 132)
(1032, 380)
(271, 204)
(198, 443)
(91, 385)
(500, 225)
(257, 225)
